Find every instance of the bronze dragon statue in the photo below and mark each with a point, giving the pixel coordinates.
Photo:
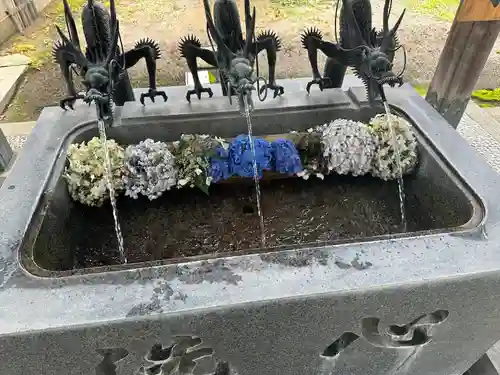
(235, 56)
(369, 52)
(103, 66)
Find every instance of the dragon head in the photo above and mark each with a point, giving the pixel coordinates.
(242, 80)
(376, 65)
(238, 66)
(377, 52)
(99, 78)
(99, 87)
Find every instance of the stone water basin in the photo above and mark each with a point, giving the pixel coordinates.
(355, 296)
(186, 223)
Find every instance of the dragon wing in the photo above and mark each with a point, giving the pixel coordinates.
(388, 40)
(114, 43)
(97, 29)
(70, 25)
(216, 35)
(351, 25)
(250, 28)
(66, 50)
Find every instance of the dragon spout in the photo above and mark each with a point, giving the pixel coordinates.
(242, 81)
(377, 66)
(370, 53)
(103, 105)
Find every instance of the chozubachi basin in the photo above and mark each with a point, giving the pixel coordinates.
(362, 297)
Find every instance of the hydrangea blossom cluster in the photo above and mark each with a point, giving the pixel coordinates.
(238, 158)
(385, 162)
(310, 153)
(285, 158)
(219, 165)
(150, 169)
(348, 147)
(241, 157)
(85, 173)
(192, 158)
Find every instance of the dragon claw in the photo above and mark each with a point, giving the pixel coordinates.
(317, 81)
(198, 92)
(69, 102)
(278, 90)
(152, 93)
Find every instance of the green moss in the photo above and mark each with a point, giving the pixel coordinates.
(487, 98)
(442, 9)
(421, 89)
(487, 95)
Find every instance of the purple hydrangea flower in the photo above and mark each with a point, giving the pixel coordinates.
(241, 158)
(219, 165)
(286, 159)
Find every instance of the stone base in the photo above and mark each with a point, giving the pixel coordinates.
(427, 303)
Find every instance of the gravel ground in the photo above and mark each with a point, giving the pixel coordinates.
(17, 142)
(481, 140)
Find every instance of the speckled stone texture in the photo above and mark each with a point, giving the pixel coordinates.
(420, 305)
(17, 142)
(482, 141)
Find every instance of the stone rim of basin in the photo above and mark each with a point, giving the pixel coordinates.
(105, 296)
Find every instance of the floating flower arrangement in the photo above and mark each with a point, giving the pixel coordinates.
(150, 168)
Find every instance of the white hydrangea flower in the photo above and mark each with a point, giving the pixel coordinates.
(385, 164)
(348, 146)
(85, 172)
(150, 169)
(191, 159)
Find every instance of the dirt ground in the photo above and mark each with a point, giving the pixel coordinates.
(423, 33)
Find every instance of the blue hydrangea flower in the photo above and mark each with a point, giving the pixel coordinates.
(241, 158)
(219, 165)
(286, 159)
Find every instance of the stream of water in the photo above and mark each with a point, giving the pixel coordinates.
(398, 165)
(109, 183)
(255, 176)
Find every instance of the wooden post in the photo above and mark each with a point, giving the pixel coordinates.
(469, 43)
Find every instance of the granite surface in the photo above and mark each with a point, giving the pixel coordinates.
(264, 314)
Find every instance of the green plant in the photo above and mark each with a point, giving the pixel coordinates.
(38, 46)
(421, 89)
(487, 95)
(442, 9)
(192, 154)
